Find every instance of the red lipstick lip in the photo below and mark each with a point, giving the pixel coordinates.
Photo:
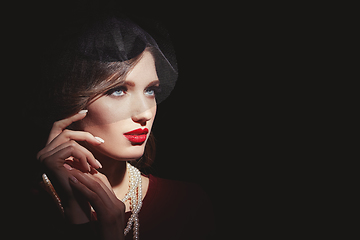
(137, 136)
(138, 131)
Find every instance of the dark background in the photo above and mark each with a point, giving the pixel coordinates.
(253, 89)
(242, 122)
(196, 128)
(190, 124)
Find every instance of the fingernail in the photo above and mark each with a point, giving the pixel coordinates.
(99, 164)
(73, 179)
(67, 166)
(83, 111)
(100, 139)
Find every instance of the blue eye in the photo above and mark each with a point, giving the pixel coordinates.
(152, 91)
(117, 92)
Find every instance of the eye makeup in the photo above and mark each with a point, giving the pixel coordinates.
(151, 90)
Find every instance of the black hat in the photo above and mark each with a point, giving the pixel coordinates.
(114, 38)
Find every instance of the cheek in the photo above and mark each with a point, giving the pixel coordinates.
(104, 119)
(116, 146)
(110, 123)
(103, 112)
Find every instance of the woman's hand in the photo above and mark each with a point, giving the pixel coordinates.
(62, 147)
(110, 211)
(61, 138)
(72, 168)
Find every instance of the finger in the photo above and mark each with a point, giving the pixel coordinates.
(56, 169)
(103, 181)
(93, 190)
(89, 195)
(80, 136)
(56, 158)
(88, 157)
(68, 136)
(95, 175)
(74, 163)
(59, 126)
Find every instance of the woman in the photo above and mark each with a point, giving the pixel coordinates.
(105, 85)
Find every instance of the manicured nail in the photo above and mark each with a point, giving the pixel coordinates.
(99, 164)
(67, 166)
(83, 111)
(100, 139)
(73, 179)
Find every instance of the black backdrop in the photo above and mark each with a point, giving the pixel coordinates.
(194, 112)
(193, 135)
(252, 79)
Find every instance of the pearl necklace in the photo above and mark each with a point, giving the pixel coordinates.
(134, 194)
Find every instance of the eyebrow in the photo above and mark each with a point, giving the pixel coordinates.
(132, 84)
(129, 83)
(155, 82)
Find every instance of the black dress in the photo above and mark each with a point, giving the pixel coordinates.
(171, 210)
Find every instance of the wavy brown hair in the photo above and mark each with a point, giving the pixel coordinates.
(76, 81)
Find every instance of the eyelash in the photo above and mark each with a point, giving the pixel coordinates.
(155, 89)
(116, 89)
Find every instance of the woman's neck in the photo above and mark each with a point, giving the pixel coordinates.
(118, 176)
(114, 170)
(116, 173)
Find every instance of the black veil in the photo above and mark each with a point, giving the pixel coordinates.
(113, 38)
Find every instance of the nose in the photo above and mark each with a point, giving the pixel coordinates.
(142, 112)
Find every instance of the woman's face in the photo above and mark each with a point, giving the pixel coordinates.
(126, 108)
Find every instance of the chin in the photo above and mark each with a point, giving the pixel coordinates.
(123, 152)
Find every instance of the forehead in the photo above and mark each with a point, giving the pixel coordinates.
(144, 70)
